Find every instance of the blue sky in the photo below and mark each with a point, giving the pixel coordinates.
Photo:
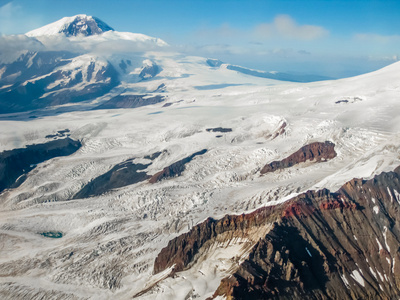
(327, 37)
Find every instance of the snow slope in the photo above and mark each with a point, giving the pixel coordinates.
(110, 241)
(115, 237)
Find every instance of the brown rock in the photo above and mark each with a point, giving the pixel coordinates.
(316, 151)
(318, 242)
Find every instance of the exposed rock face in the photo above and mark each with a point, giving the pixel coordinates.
(175, 169)
(154, 155)
(15, 164)
(33, 64)
(79, 25)
(316, 151)
(123, 174)
(322, 245)
(149, 71)
(86, 26)
(182, 250)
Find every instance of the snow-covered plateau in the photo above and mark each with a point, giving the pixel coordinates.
(108, 241)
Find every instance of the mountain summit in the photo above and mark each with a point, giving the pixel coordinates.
(79, 25)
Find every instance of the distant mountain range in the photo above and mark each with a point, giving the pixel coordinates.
(52, 77)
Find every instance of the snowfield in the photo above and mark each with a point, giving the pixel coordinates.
(110, 241)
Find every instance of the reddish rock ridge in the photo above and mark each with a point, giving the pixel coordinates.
(175, 169)
(182, 250)
(322, 245)
(315, 151)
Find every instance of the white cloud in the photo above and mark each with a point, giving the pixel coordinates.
(12, 46)
(377, 38)
(284, 26)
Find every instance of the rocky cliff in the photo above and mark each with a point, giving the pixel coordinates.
(320, 245)
(312, 152)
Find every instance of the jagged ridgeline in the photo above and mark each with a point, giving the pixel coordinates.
(318, 245)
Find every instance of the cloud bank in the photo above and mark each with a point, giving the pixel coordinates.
(284, 26)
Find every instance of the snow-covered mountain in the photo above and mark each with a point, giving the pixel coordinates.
(81, 61)
(79, 25)
(154, 175)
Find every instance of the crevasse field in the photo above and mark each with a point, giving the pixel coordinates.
(110, 241)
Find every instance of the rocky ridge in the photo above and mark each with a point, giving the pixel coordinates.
(321, 245)
(312, 152)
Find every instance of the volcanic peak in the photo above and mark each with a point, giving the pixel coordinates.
(79, 25)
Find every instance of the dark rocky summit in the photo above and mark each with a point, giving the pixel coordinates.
(316, 151)
(320, 245)
(85, 26)
(15, 164)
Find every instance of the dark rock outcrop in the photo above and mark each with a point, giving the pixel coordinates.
(175, 169)
(321, 245)
(60, 133)
(123, 174)
(15, 164)
(149, 71)
(316, 151)
(219, 129)
(161, 88)
(154, 155)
